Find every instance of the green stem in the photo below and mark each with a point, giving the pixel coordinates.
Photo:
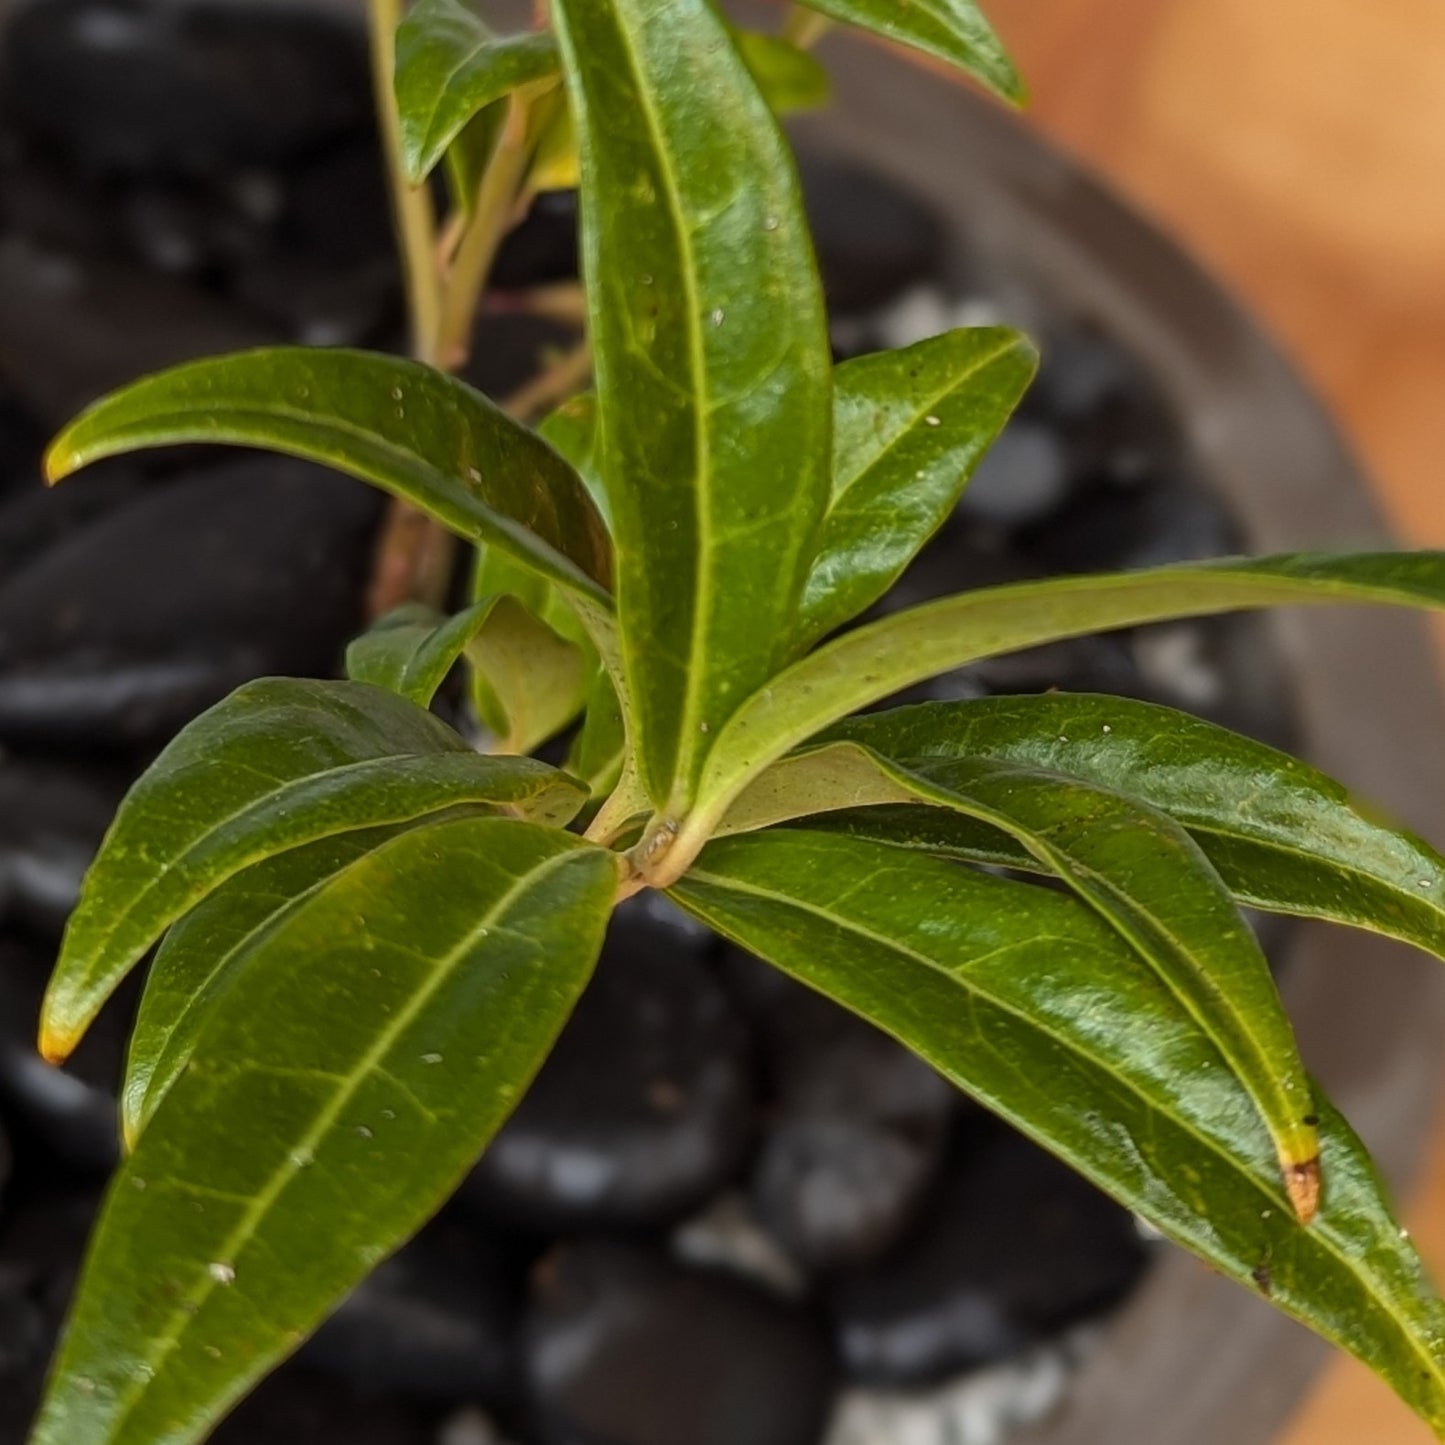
(411, 205)
(804, 27)
(496, 209)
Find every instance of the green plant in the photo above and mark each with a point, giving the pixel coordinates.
(372, 933)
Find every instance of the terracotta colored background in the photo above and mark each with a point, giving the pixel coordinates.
(1298, 148)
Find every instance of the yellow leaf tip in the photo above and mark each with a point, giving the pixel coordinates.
(56, 1045)
(58, 463)
(1303, 1182)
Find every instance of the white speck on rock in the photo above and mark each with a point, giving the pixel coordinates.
(984, 1407)
(728, 1236)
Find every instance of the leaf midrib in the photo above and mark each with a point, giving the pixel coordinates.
(697, 354)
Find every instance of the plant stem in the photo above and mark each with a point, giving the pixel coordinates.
(563, 378)
(411, 205)
(804, 27)
(496, 211)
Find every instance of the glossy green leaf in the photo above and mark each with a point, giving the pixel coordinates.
(909, 427)
(951, 30)
(450, 66)
(885, 657)
(712, 358)
(200, 954)
(1030, 1003)
(411, 650)
(359, 1068)
(280, 763)
(788, 78)
(413, 431)
(1284, 837)
(1143, 873)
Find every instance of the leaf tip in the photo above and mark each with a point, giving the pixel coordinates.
(56, 1044)
(1303, 1182)
(60, 460)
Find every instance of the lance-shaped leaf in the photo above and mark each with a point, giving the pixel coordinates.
(450, 66)
(909, 427)
(369, 1048)
(199, 956)
(1142, 872)
(951, 30)
(1030, 1003)
(409, 429)
(280, 763)
(713, 371)
(1284, 837)
(885, 657)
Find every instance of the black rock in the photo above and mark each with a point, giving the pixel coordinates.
(543, 248)
(162, 88)
(508, 350)
(1013, 1248)
(623, 1347)
(135, 624)
(1146, 524)
(646, 1106)
(1025, 475)
(51, 822)
(22, 440)
(433, 1323)
(856, 1129)
(73, 329)
(40, 1250)
(874, 239)
(63, 1115)
(295, 1406)
(329, 275)
(33, 518)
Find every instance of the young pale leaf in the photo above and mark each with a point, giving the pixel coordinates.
(909, 427)
(413, 431)
(788, 78)
(450, 66)
(528, 682)
(951, 30)
(280, 763)
(354, 1075)
(712, 364)
(1033, 1005)
(885, 657)
(410, 651)
(1284, 837)
(198, 958)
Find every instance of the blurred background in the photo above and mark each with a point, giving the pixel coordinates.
(1298, 149)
